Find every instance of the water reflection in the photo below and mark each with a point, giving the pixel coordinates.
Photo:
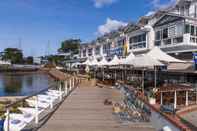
(12, 84)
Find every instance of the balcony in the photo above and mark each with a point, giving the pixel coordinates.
(177, 44)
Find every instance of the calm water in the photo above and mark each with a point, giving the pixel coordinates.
(20, 84)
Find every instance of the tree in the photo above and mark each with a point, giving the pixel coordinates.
(29, 60)
(70, 46)
(14, 55)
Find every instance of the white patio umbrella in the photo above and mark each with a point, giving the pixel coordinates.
(93, 62)
(114, 62)
(158, 54)
(128, 59)
(146, 61)
(103, 63)
(87, 62)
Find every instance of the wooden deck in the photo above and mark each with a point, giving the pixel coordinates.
(84, 110)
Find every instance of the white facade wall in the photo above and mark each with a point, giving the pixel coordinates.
(190, 11)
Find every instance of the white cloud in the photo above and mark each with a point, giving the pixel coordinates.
(109, 26)
(157, 4)
(150, 13)
(101, 3)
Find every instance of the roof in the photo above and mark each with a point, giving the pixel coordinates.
(173, 88)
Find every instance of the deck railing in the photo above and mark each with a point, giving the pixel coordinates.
(64, 87)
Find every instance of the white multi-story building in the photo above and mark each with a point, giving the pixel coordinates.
(174, 30)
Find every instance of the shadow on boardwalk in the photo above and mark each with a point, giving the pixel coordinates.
(84, 110)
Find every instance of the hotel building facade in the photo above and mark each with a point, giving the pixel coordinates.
(173, 30)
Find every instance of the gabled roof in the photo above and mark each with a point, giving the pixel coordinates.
(171, 17)
(131, 27)
(168, 18)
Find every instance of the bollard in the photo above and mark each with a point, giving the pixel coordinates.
(73, 82)
(70, 85)
(60, 90)
(8, 119)
(66, 87)
(36, 107)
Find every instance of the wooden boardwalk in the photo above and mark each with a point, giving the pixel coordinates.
(84, 110)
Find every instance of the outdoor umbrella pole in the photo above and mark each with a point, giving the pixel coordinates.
(143, 81)
(103, 74)
(155, 77)
(115, 74)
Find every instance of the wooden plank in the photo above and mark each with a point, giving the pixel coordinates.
(84, 110)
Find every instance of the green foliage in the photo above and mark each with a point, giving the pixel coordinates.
(14, 55)
(70, 46)
(152, 94)
(29, 60)
(55, 59)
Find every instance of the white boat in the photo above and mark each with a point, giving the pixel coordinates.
(41, 103)
(17, 122)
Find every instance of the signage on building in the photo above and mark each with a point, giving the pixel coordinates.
(195, 60)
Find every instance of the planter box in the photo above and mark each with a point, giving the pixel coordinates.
(152, 101)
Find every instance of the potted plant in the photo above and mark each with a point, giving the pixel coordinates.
(152, 97)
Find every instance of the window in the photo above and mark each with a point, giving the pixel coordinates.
(158, 35)
(182, 11)
(179, 29)
(172, 31)
(84, 53)
(187, 28)
(97, 51)
(178, 40)
(138, 41)
(196, 31)
(157, 43)
(165, 33)
(90, 52)
(192, 30)
(167, 42)
(144, 37)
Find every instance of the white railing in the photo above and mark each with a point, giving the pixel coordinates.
(64, 89)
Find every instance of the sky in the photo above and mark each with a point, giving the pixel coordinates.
(38, 26)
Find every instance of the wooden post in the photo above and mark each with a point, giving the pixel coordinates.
(36, 107)
(161, 99)
(73, 82)
(186, 99)
(8, 119)
(60, 90)
(175, 99)
(70, 85)
(66, 87)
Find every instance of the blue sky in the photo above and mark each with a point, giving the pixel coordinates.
(30, 24)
